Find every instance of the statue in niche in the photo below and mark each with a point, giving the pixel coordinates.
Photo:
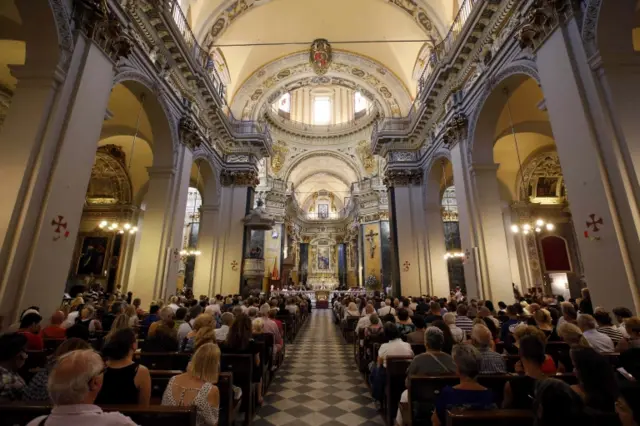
(371, 239)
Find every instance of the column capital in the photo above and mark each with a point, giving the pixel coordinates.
(189, 134)
(209, 208)
(403, 177)
(96, 22)
(239, 178)
(455, 130)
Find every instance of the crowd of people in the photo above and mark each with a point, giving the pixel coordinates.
(468, 338)
(77, 379)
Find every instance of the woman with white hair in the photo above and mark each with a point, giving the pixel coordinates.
(457, 333)
(433, 362)
(469, 393)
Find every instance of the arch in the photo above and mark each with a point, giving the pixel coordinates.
(485, 116)
(353, 166)
(210, 185)
(430, 169)
(110, 183)
(555, 254)
(164, 128)
(607, 27)
(348, 68)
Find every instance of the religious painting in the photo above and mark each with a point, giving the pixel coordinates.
(546, 187)
(371, 247)
(320, 56)
(323, 211)
(324, 256)
(92, 256)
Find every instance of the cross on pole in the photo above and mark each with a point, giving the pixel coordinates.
(372, 244)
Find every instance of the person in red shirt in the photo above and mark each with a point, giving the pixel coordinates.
(55, 330)
(30, 328)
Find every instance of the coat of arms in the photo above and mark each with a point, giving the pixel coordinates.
(320, 56)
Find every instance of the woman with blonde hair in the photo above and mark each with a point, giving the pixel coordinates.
(130, 311)
(352, 311)
(544, 323)
(88, 319)
(203, 331)
(572, 335)
(197, 386)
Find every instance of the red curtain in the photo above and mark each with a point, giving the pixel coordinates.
(555, 254)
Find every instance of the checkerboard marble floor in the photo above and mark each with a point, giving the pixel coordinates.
(318, 383)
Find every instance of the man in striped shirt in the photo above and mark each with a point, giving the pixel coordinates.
(462, 320)
(605, 326)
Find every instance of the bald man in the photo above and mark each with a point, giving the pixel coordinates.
(490, 361)
(55, 329)
(74, 384)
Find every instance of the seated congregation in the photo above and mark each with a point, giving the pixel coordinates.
(107, 361)
(453, 361)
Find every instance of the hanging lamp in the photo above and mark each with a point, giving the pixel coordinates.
(525, 226)
(117, 227)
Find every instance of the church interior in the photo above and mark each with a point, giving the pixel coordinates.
(318, 153)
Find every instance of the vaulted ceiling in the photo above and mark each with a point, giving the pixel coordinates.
(224, 22)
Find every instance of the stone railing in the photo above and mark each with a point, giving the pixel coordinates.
(364, 119)
(440, 54)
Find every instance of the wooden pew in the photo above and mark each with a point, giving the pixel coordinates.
(242, 368)
(418, 349)
(35, 361)
(460, 417)
(424, 390)
(23, 413)
(349, 327)
(50, 345)
(163, 360)
(228, 406)
(396, 374)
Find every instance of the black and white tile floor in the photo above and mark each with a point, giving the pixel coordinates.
(319, 383)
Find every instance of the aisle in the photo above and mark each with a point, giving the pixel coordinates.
(319, 383)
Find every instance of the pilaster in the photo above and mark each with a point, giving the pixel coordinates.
(591, 171)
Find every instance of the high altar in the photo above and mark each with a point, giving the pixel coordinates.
(323, 265)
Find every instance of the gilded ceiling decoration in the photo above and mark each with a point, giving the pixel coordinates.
(279, 156)
(366, 157)
(109, 184)
(320, 56)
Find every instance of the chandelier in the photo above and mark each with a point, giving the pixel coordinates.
(450, 254)
(126, 228)
(192, 251)
(525, 225)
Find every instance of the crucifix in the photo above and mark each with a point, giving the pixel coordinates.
(372, 243)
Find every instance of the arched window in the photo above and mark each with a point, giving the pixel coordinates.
(449, 205)
(360, 102)
(284, 103)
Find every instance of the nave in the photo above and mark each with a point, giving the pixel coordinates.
(319, 383)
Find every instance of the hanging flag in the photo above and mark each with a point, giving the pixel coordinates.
(275, 275)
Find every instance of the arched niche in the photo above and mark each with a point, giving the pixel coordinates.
(109, 185)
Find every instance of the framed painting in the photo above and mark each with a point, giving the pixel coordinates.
(324, 256)
(93, 256)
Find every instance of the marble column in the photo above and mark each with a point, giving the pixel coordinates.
(160, 236)
(37, 271)
(465, 220)
(205, 265)
(436, 248)
(408, 236)
(594, 173)
(492, 239)
(235, 196)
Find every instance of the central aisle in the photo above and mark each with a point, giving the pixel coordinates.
(319, 383)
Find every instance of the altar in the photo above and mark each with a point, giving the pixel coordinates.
(328, 282)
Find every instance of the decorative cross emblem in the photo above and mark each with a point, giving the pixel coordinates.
(594, 223)
(234, 265)
(372, 243)
(60, 225)
(406, 265)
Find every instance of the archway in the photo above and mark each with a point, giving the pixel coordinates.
(519, 190)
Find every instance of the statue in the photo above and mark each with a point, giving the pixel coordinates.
(372, 242)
